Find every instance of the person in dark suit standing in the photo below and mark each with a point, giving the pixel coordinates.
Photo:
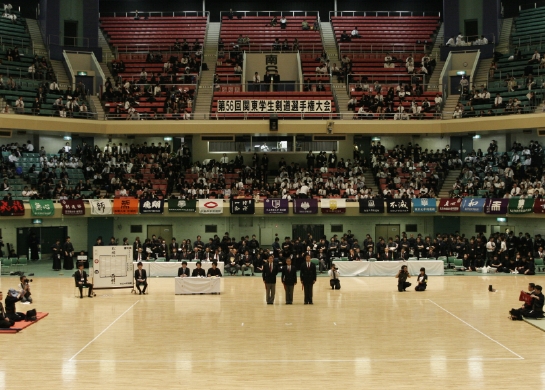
(270, 270)
(68, 249)
(289, 279)
(141, 278)
(198, 271)
(308, 278)
(183, 271)
(80, 276)
(57, 252)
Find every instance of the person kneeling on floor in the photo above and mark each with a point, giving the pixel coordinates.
(334, 274)
(80, 276)
(402, 276)
(5, 321)
(534, 309)
(13, 297)
(422, 280)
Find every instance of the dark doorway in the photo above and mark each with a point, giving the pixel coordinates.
(464, 145)
(45, 236)
(88, 82)
(70, 33)
(303, 231)
(471, 29)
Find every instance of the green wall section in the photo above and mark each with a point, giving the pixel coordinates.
(99, 227)
(448, 225)
(471, 9)
(72, 10)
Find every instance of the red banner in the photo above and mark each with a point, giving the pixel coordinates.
(73, 207)
(12, 208)
(539, 206)
(450, 205)
(126, 206)
(526, 298)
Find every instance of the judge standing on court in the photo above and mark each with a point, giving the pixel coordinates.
(308, 278)
(289, 279)
(270, 270)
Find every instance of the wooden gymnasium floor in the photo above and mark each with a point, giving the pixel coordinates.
(367, 335)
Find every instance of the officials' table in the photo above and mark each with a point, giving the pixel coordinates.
(170, 268)
(389, 268)
(197, 285)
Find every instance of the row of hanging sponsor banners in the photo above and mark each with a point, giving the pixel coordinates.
(128, 206)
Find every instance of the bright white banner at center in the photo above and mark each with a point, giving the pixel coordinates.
(210, 206)
(265, 106)
(101, 206)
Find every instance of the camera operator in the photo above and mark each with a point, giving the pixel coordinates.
(334, 274)
(13, 297)
(24, 288)
(402, 276)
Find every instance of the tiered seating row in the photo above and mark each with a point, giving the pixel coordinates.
(159, 33)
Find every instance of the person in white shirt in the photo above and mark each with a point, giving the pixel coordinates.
(355, 33)
(536, 57)
(20, 105)
(498, 101)
(484, 41)
(460, 40)
(29, 147)
(450, 42)
(388, 63)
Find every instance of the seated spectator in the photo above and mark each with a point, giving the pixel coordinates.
(355, 33)
(345, 37)
(283, 22)
(304, 25)
(214, 271)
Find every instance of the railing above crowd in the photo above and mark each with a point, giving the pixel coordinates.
(238, 13)
(145, 14)
(382, 13)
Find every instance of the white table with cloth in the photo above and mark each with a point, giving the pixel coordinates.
(197, 285)
(170, 268)
(389, 268)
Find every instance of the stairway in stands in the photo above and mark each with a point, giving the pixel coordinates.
(370, 181)
(107, 54)
(448, 183)
(505, 36)
(41, 50)
(339, 89)
(436, 54)
(205, 91)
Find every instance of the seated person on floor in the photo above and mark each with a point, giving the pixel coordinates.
(141, 278)
(214, 271)
(80, 276)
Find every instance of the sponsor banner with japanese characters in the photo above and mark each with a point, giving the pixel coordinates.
(126, 206)
(473, 205)
(539, 206)
(151, 206)
(424, 205)
(371, 206)
(210, 206)
(73, 207)
(333, 206)
(450, 205)
(42, 208)
(305, 206)
(276, 206)
(270, 106)
(101, 206)
(496, 206)
(521, 205)
(242, 206)
(182, 205)
(398, 206)
(12, 208)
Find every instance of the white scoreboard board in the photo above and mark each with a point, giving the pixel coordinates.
(112, 267)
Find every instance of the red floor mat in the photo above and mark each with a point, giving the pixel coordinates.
(19, 326)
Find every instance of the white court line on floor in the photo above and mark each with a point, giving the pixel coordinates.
(477, 330)
(475, 359)
(101, 333)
